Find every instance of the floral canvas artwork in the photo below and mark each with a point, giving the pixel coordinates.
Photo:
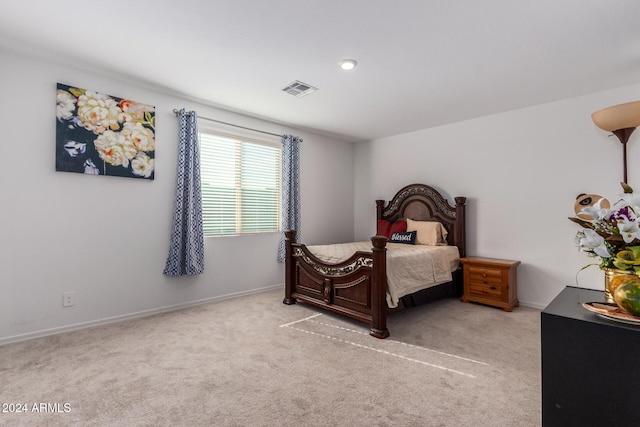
(99, 134)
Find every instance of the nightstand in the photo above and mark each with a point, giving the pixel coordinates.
(490, 281)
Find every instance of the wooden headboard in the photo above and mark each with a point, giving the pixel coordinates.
(424, 203)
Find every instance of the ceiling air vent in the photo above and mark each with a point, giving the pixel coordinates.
(299, 89)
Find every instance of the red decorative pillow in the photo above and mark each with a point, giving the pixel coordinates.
(384, 228)
(398, 227)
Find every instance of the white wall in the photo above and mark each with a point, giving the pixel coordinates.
(521, 172)
(107, 238)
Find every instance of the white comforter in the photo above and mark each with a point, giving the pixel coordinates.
(410, 268)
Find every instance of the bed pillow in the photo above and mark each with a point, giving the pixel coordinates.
(408, 237)
(430, 233)
(384, 228)
(398, 227)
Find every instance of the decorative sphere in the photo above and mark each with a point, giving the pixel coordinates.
(619, 280)
(627, 297)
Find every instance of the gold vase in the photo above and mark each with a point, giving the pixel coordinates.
(610, 284)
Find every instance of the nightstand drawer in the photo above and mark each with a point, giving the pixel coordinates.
(485, 290)
(485, 275)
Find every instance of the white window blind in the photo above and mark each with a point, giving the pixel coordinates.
(240, 185)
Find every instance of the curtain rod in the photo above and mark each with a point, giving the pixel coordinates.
(176, 111)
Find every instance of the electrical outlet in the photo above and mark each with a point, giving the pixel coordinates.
(68, 299)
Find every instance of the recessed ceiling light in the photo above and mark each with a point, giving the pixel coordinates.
(348, 64)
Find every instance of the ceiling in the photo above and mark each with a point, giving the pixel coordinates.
(422, 63)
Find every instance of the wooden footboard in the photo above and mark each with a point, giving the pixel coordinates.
(356, 287)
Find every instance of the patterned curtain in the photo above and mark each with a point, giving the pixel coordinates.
(290, 190)
(186, 253)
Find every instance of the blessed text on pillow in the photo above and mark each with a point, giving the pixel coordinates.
(408, 237)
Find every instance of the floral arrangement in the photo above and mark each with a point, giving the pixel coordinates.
(611, 234)
(100, 134)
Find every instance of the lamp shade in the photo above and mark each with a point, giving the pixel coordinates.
(617, 117)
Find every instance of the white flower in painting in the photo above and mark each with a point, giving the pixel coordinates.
(141, 137)
(115, 149)
(143, 165)
(73, 148)
(66, 103)
(133, 111)
(90, 168)
(98, 112)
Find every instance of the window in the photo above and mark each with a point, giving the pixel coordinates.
(240, 185)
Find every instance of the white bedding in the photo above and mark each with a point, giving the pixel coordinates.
(410, 268)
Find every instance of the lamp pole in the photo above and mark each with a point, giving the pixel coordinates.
(623, 135)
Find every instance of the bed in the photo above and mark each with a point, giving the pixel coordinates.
(357, 286)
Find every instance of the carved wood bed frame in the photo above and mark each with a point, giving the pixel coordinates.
(357, 287)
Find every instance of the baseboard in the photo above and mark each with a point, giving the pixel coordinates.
(532, 305)
(145, 313)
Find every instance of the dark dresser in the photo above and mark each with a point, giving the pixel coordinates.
(590, 365)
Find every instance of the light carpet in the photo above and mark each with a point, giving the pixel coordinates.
(253, 361)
